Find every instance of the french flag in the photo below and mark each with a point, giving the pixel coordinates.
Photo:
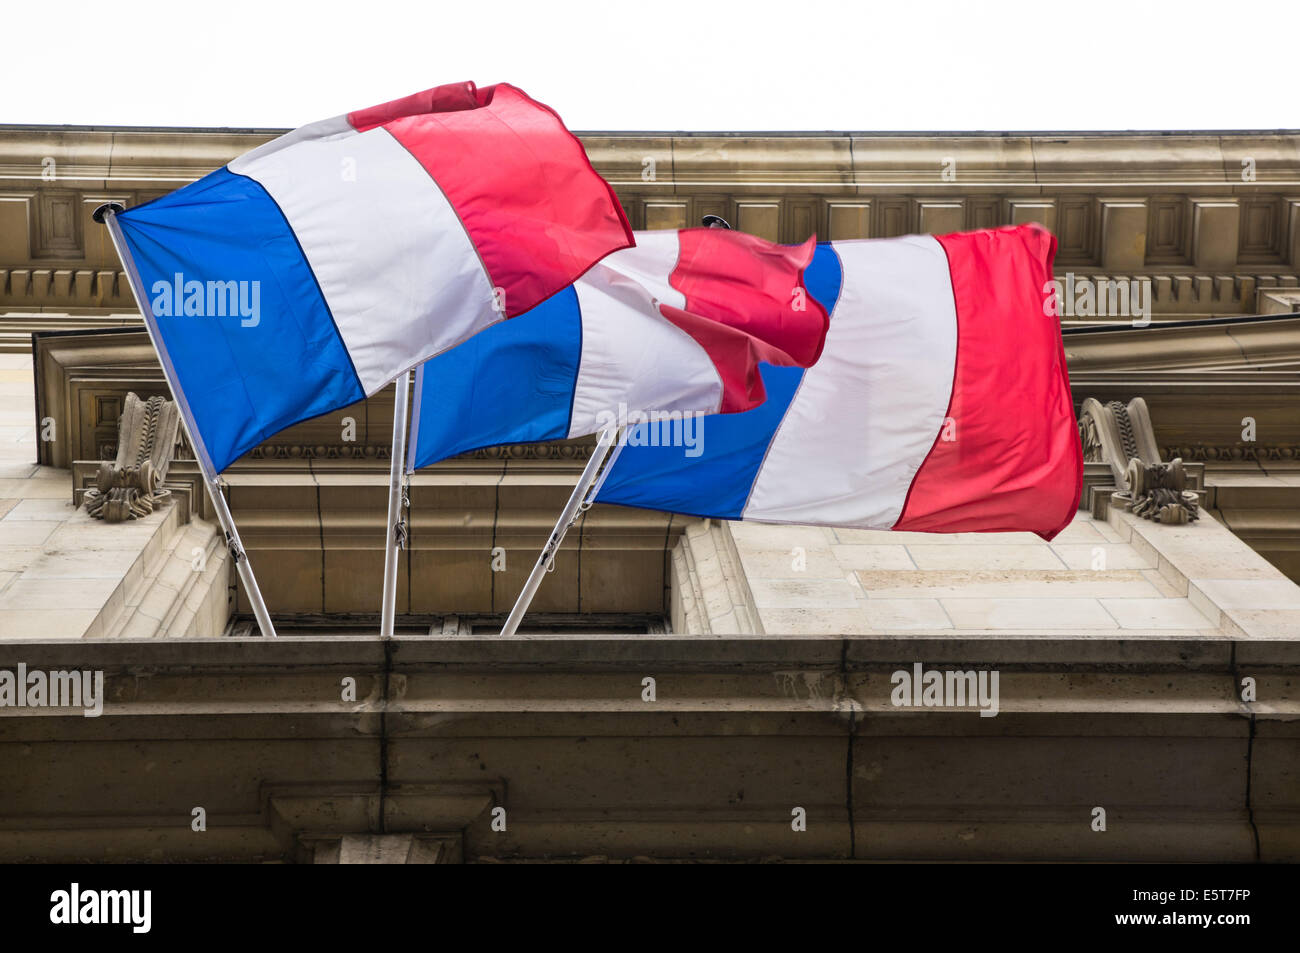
(678, 324)
(941, 404)
(315, 269)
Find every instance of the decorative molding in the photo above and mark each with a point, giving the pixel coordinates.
(75, 372)
(38, 296)
(298, 451)
(1235, 452)
(551, 450)
(56, 225)
(531, 451)
(1119, 203)
(62, 288)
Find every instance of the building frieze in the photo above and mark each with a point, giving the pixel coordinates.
(1211, 221)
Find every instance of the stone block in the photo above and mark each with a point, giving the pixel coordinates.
(1123, 235)
(1015, 614)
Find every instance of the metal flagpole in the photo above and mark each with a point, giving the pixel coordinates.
(609, 466)
(107, 215)
(396, 540)
(578, 503)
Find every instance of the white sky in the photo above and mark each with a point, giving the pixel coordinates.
(664, 64)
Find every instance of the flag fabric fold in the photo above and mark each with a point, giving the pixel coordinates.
(313, 270)
(941, 404)
(678, 324)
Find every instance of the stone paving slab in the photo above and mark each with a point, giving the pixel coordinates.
(24, 534)
(983, 583)
(1122, 575)
(51, 510)
(871, 556)
(1028, 613)
(1157, 613)
(37, 489)
(1102, 555)
(1007, 556)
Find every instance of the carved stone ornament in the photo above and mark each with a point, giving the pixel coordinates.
(1121, 435)
(132, 486)
(1158, 491)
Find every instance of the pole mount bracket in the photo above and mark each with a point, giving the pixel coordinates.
(114, 207)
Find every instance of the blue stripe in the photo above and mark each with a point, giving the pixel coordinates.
(513, 383)
(717, 481)
(823, 277)
(246, 375)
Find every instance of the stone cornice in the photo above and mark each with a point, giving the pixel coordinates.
(555, 731)
(211, 663)
(164, 158)
(1212, 220)
(1250, 348)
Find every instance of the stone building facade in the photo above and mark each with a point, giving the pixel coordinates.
(684, 689)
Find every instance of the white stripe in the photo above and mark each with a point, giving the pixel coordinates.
(335, 127)
(866, 414)
(397, 269)
(631, 354)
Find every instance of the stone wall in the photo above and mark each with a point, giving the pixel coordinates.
(1212, 220)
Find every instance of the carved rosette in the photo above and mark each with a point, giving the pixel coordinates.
(132, 485)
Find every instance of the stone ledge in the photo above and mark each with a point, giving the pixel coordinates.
(1230, 583)
(554, 731)
(362, 648)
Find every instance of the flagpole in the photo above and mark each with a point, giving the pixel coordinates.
(578, 503)
(609, 467)
(106, 214)
(396, 540)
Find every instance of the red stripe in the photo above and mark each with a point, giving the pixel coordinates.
(450, 98)
(1014, 461)
(522, 184)
(745, 303)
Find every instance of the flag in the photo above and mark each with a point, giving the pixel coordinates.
(942, 403)
(677, 325)
(313, 270)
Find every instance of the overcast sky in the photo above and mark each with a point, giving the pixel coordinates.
(664, 64)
